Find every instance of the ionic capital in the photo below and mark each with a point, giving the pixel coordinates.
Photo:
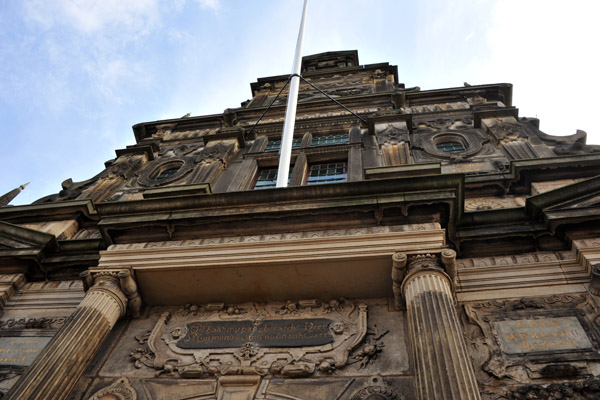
(119, 283)
(407, 266)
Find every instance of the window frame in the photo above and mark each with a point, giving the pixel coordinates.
(333, 164)
(274, 180)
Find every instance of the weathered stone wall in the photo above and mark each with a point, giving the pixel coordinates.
(379, 364)
(535, 347)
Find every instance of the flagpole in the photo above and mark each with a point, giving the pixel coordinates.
(285, 152)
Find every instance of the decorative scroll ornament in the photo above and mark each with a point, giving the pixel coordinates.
(120, 390)
(292, 339)
(377, 390)
(33, 323)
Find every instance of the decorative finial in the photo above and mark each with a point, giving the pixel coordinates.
(7, 198)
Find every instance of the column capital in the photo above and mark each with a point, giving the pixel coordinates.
(406, 266)
(120, 282)
(61, 363)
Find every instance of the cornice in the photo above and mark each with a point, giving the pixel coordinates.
(219, 120)
(355, 203)
(50, 211)
(342, 262)
(519, 275)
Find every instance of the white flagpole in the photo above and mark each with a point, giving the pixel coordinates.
(285, 152)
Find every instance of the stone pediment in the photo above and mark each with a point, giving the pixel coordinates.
(580, 195)
(22, 248)
(592, 200)
(578, 203)
(20, 239)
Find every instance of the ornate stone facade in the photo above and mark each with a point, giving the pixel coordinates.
(450, 250)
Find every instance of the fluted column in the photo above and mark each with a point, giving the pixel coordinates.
(442, 363)
(58, 367)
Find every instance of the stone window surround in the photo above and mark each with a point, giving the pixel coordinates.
(329, 178)
(149, 177)
(470, 141)
(301, 158)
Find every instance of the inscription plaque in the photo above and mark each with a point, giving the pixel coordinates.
(266, 333)
(542, 335)
(20, 350)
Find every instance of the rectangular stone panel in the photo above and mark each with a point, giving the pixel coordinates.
(21, 350)
(530, 336)
(268, 333)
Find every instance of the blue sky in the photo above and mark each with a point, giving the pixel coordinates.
(75, 75)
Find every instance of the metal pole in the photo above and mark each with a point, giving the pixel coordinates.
(285, 152)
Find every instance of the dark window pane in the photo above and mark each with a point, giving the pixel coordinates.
(451, 147)
(329, 140)
(275, 145)
(167, 173)
(327, 173)
(267, 178)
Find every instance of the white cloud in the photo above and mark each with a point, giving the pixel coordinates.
(212, 4)
(85, 45)
(94, 16)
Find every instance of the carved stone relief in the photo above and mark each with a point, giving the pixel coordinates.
(215, 152)
(588, 389)
(371, 348)
(184, 158)
(504, 131)
(492, 203)
(393, 132)
(125, 167)
(149, 176)
(428, 142)
(120, 390)
(282, 236)
(180, 150)
(459, 105)
(168, 134)
(292, 339)
(377, 390)
(33, 323)
(548, 325)
(515, 260)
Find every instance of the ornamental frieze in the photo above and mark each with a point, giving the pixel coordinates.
(292, 339)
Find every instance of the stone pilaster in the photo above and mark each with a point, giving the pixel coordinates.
(442, 363)
(58, 367)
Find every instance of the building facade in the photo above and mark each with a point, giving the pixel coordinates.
(430, 245)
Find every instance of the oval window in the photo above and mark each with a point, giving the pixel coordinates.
(167, 173)
(451, 147)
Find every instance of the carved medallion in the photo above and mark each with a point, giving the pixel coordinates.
(120, 390)
(292, 339)
(378, 390)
